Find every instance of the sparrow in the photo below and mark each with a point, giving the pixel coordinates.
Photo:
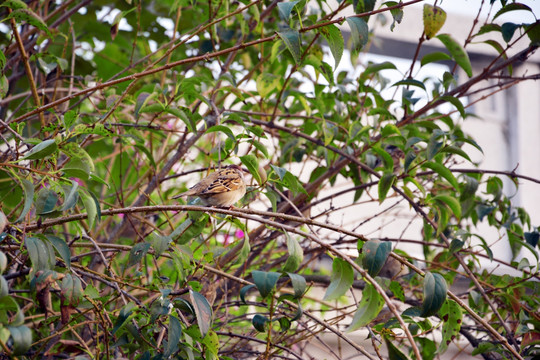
(222, 188)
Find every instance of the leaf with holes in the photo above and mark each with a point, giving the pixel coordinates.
(434, 18)
(341, 280)
(203, 311)
(452, 316)
(266, 83)
(27, 15)
(137, 253)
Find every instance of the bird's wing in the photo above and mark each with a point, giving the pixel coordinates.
(224, 183)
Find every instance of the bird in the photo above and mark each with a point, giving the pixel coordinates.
(222, 188)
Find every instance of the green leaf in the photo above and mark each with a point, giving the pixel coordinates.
(443, 172)
(289, 180)
(375, 253)
(435, 289)
(77, 167)
(41, 150)
(71, 196)
(434, 57)
(298, 283)
(341, 280)
(285, 9)
(434, 18)
(25, 14)
(512, 7)
(394, 353)
(182, 115)
(265, 281)
(244, 291)
(41, 253)
(456, 245)
(224, 129)
(266, 83)
(160, 243)
(457, 51)
(411, 82)
(369, 307)
(211, 344)
(71, 290)
(4, 86)
(456, 150)
(259, 322)
(14, 4)
(456, 102)
(22, 339)
(62, 248)
(190, 229)
(123, 316)
(203, 311)
(359, 32)
(252, 164)
(291, 38)
(296, 254)
(533, 32)
(137, 253)
(530, 237)
(397, 14)
(174, 334)
(90, 206)
(334, 38)
(452, 316)
(508, 29)
(3, 262)
(28, 188)
(46, 201)
(451, 202)
(385, 183)
(4, 287)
